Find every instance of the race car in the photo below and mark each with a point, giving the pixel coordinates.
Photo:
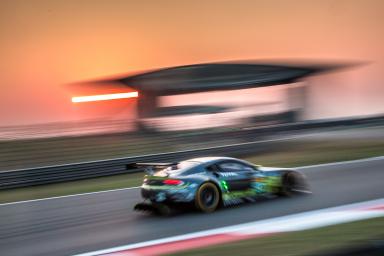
(210, 182)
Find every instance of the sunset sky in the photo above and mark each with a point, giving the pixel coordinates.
(47, 44)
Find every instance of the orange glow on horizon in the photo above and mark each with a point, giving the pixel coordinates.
(113, 96)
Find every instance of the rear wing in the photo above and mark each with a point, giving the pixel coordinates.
(149, 168)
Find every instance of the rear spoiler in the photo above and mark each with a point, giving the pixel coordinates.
(149, 168)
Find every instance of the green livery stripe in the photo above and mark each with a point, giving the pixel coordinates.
(239, 194)
(262, 185)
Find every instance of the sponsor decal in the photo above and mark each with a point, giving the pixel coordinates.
(228, 174)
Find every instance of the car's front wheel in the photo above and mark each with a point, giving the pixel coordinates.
(292, 183)
(207, 197)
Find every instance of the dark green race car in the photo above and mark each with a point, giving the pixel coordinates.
(209, 182)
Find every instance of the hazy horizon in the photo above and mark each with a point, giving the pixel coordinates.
(47, 44)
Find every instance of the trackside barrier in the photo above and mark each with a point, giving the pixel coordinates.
(70, 172)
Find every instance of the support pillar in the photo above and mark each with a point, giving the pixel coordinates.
(297, 100)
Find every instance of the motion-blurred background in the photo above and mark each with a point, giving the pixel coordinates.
(47, 44)
(51, 49)
(54, 53)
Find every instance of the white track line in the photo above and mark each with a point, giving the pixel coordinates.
(293, 222)
(121, 189)
(60, 197)
(342, 162)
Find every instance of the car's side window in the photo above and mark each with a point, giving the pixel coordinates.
(248, 168)
(234, 167)
(229, 167)
(212, 168)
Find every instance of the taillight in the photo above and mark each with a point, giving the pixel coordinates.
(173, 182)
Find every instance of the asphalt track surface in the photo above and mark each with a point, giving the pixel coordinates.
(70, 225)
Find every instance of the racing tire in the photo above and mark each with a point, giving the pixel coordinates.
(289, 184)
(207, 197)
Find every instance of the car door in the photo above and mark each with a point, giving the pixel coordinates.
(237, 175)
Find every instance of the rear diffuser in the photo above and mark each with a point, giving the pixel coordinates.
(160, 209)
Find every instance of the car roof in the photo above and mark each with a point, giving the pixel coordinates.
(211, 159)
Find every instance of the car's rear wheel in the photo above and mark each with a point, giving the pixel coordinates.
(207, 197)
